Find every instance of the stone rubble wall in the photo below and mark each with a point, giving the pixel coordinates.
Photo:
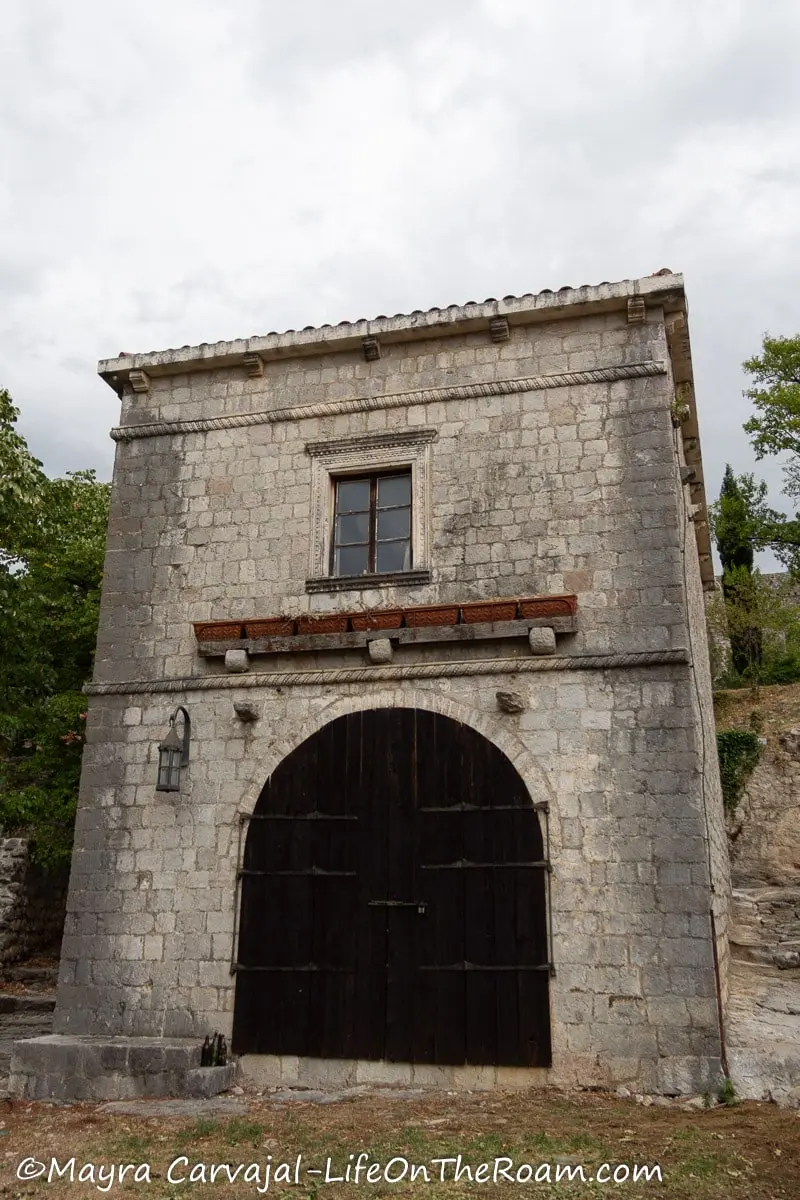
(765, 925)
(32, 903)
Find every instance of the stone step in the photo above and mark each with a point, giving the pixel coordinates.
(81, 1067)
(17, 1024)
(19, 974)
(43, 1002)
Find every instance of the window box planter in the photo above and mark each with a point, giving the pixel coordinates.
(217, 631)
(432, 614)
(549, 606)
(386, 618)
(488, 610)
(323, 623)
(269, 627)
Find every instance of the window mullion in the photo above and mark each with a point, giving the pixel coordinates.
(373, 523)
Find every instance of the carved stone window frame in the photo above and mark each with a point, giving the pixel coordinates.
(364, 455)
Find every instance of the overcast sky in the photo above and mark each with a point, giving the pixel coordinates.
(189, 170)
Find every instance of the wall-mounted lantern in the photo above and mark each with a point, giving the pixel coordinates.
(173, 754)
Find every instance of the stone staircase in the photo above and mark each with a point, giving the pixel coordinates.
(24, 1016)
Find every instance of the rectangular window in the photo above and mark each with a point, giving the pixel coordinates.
(372, 524)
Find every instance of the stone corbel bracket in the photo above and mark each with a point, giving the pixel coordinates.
(139, 381)
(371, 348)
(637, 310)
(245, 711)
(499, 330)
(253, 366)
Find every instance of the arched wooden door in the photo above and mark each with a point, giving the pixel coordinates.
(393, 900)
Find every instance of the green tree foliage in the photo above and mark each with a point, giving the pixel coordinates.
(776, 397)
(775, 429)
(734, 525)
(52, 543)
(753, 602)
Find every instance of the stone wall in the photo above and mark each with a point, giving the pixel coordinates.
(32, 903)
(765, 829)
(546, 487)
(765, 925)
(562, 489)
(710, 798)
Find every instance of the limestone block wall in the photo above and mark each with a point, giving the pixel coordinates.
(555, 489)
(32, 903)
(537, 485)
(710, 790)
(149, 937)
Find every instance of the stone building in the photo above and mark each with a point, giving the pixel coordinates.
(400, 760)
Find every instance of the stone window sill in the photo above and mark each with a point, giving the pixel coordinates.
(352, 583)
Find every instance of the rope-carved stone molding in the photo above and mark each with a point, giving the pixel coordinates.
(330, 408)
(484, 666)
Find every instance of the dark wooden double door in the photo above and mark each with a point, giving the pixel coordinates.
(393, 900)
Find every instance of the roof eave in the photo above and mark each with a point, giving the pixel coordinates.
(664, 290)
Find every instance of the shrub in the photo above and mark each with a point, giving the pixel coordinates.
(739, 751)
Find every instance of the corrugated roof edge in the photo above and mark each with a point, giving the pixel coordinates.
(664, 285)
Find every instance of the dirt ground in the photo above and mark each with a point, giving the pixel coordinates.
(743, 1151)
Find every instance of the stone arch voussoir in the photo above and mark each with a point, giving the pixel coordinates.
(493, 728)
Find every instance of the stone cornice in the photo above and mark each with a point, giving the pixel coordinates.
(685, 407)
(501, 387)
(377, 674)
(663, 290)
(373, 441)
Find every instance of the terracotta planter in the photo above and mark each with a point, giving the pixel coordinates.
(217, 631)
(379, 618)
(432, 614)
(323, 623)
(548, 606)
(478, 611)
(269, 627)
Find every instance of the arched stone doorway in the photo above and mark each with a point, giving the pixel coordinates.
(393, 900)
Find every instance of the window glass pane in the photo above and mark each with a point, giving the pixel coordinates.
(352, 495)
(163, 772)
(351, 560)
(394, 556)
(353, 528)
(394, 489)
(394, 523)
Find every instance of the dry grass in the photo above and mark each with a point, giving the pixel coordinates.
(744, 1152)
(777, 706)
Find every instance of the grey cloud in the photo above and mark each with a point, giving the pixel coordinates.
(189, 172)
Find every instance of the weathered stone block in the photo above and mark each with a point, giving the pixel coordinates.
(379, 650)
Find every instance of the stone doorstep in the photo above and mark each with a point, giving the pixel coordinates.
(82, 1067)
